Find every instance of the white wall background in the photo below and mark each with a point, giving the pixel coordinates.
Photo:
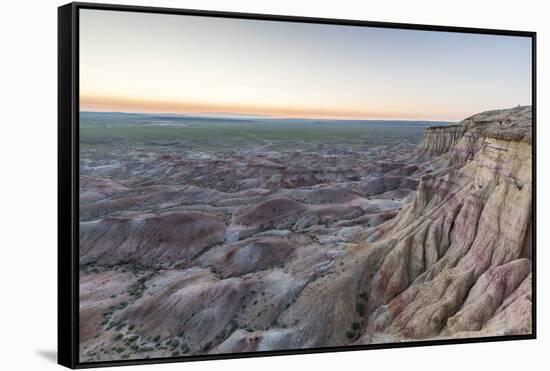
(28, 182)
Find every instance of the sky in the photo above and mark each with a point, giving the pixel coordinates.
(144, 62)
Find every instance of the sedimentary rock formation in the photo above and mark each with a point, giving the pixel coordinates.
(440, 139)
(149, 239)
(461, 250)
(434, 242)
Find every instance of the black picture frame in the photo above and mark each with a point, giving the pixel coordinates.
(68, 179)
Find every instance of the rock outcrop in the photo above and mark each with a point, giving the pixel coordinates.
(460, 251)
(440, 139)
(150, 239)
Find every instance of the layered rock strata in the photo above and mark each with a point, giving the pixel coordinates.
(434, 243)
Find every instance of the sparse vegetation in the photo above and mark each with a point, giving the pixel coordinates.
(120, 326)
(206, 347)
(360, 309)
(184, 348)
(233, 325)
(117, 337)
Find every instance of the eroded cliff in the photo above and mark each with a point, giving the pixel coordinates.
(458, 257)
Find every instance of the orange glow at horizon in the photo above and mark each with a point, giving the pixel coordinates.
(137, 105)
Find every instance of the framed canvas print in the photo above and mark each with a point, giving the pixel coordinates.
(235, 185)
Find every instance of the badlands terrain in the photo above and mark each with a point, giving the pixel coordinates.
(202, 236)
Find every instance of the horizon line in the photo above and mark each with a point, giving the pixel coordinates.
(247, 116)
(105, 104)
